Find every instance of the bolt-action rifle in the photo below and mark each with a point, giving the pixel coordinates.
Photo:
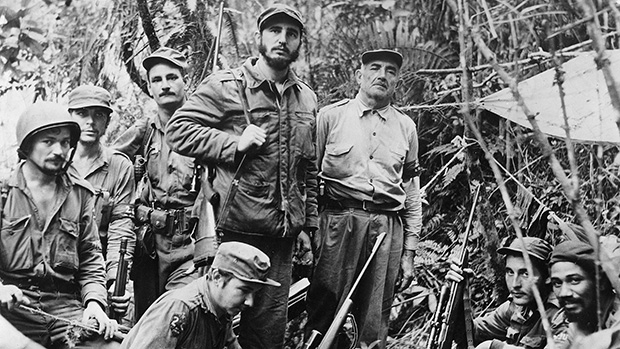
(451, 298)
(341, 315)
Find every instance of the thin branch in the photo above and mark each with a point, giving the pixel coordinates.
(602, 59)
(554, 163)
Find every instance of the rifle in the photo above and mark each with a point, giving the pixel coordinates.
(341, 315)
(203, 230)
(121, 275)
(450, 298)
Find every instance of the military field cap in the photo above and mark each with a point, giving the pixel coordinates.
(90, 96)
(578, 252)
(245, 262)
(382, 54)
(167, 54)
(535, 247)
(279, 9)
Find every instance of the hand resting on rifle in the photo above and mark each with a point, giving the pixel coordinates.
(456, 273)
(118, 304)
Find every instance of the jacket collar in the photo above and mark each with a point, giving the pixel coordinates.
(255, 78)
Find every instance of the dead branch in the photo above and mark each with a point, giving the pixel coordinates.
(465, 32)
(571, 193)
(602, 60)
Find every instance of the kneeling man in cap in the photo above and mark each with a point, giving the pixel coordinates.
(200, 314)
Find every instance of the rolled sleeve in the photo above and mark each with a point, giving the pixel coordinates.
(121, 223)
(412, 214)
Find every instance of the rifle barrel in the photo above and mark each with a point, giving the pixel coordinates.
(219, 34)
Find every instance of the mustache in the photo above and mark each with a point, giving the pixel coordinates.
(166, 93)
(283, 48)
(57, 158)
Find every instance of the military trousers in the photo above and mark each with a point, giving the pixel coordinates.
(344, 242)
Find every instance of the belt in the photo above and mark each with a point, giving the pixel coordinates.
(165, 222)
(365, 205)
(44, 285)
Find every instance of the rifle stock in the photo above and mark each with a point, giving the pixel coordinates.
(120, 281)
(451, 296)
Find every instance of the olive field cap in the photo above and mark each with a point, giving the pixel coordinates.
(578, 252)
(382, 54)
(42, 116)
(167, 54)
(245, 262)
(279, 9)
(90, 96)
(535, 247)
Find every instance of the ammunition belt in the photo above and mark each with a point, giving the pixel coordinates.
(164, 222)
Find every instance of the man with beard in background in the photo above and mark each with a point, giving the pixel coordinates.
(255, 126)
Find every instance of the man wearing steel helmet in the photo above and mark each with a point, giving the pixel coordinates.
(517, 322)
(269, 157)
(200, 314)
(50, 253)
(163, 258)
(110, 172)
(573, 277)
(368, 159)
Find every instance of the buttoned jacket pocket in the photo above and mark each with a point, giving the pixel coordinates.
(63, 247)
(16, 250)
(337, 162)
(303, 135)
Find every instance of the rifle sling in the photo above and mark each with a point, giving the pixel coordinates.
(234, 185)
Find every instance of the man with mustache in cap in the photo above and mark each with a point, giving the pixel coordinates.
(264, 160)
(200, 314)
(50, 253)
(163, 258)
(573, 276)
(368, 160)
(110, 172)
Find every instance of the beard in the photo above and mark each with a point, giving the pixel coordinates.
(278, 63)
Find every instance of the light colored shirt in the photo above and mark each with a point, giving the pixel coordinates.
(371, 155)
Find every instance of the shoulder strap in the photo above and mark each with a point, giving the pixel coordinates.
(232, 190)
(148, 137)
(242, 96)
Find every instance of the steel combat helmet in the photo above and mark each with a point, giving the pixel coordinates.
(43, 116)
